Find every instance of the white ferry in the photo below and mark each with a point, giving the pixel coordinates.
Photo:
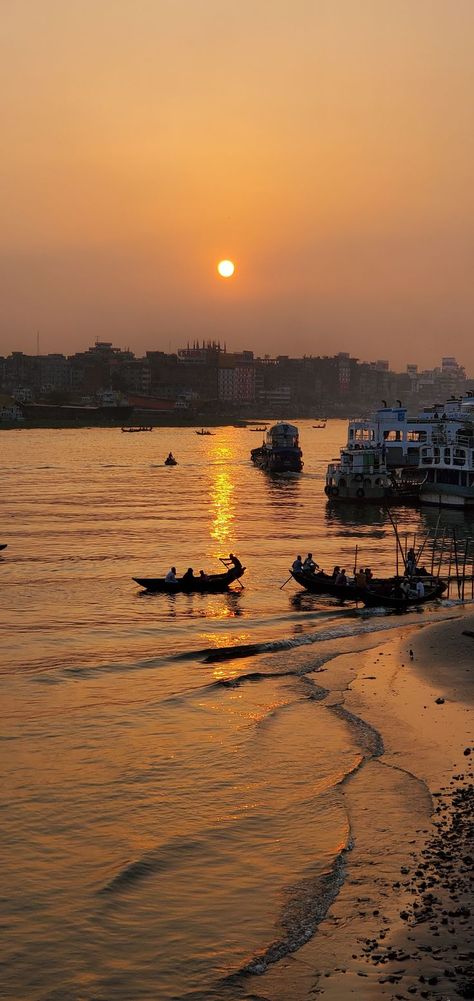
(436, 447)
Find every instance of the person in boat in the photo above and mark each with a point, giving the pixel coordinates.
(171, 576)
(170, 457)
(203, 576)
(297, 565)
(360, 580)
(235, 562)
(309, 566)
(341, 578)
(405, 587)
(335, 573)
(368, 576)
(420, 589)
(411, 562)
(188, 576)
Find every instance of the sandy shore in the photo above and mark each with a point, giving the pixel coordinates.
(402, 925)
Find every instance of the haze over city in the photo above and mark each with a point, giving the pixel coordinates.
(324, 148)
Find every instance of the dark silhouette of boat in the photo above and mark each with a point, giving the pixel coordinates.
(383, 591)
(280, 452)
(3, 545)
(136, 430)
(217, 582)
(171, 461)
(204, 432)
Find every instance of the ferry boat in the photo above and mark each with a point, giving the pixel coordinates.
(436, 446)
(361, 474)
(280, 451)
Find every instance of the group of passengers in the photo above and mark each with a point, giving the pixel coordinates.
(235, 568)
(363, 577)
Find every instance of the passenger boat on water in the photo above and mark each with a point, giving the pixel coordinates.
(435, 448)
(380, 592)
(213, 583)
(361, 475)
(136, 430)
(280, 452)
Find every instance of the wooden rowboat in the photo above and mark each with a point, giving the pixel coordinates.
(214, 583)
(382, 592)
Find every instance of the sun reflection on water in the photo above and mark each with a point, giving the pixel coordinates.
(221, 495)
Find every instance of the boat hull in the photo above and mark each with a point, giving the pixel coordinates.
(215, 583)
(274, 460)
(373, 597)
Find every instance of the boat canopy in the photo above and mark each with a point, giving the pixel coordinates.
(283, 434)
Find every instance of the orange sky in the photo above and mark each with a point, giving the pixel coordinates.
(324, 145)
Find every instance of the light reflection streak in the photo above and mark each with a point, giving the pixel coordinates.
(221, 495)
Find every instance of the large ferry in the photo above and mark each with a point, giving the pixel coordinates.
(280, 451)
(436, 447)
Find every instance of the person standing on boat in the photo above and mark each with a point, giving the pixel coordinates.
(360, 579)
(341, 578)
(335, 573)
(297, 565)
(171, 576)
(309, 565)
(235, 562)
(411, 562)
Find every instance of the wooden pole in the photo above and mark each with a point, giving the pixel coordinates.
(355, 559)
(286, 582)
(456, 562)
(466, 547)
(449, 565)
(441, 553)
(399, 545)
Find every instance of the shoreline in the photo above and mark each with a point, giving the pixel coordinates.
(384, 931)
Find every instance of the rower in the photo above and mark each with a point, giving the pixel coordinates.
(188, 576)
(235, 562)
(297, 565)
(171, 576)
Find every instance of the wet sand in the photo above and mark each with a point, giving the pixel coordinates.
(402, 924)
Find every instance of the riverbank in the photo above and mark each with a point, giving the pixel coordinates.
(401, 925)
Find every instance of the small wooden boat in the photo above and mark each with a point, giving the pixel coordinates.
(319, 426)
(260, 430)
(171, 461)
(136, 430)
(217, 582)
(383, 591)
(3, 545)
(204, 432)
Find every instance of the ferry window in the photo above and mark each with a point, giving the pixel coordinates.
(364, 434)
(392, 435)
(447, 456)
(416, 435)
(436, 457)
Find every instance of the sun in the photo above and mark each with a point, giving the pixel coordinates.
(226, 269)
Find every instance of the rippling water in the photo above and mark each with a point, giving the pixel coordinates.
(171, 815)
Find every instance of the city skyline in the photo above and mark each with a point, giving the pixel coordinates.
(325, 149)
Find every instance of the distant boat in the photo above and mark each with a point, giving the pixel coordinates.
(203, 431)
(136, 430)
(264, 428)
(3, 545)
(322, 424)
(171, 461)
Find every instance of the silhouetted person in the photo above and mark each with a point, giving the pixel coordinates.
(171, 576)
(235, 562)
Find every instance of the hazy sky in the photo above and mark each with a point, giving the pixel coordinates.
(326, 146)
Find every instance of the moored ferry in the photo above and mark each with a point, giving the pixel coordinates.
(436, 447)
(280, 451)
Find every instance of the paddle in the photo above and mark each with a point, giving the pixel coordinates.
(286, 582)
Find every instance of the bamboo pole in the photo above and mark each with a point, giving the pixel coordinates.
(441, 553)
(449, 566)
(399, 545)
(456, 561)
(466, 547)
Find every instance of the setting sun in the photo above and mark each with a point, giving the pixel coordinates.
(226, 269)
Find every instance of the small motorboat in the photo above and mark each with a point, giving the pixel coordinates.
(216, 582)
(171, 461)
(204, 432)
(317, 427)
(260, 430)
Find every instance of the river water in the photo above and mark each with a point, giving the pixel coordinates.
(171, 811)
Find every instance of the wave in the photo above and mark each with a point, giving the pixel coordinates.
(308, 903)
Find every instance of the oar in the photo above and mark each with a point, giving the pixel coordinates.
(286, 582)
